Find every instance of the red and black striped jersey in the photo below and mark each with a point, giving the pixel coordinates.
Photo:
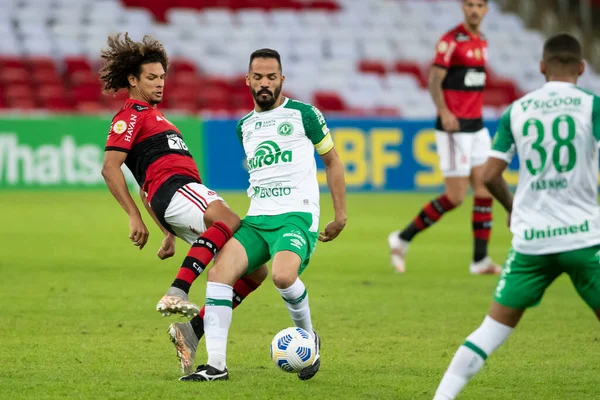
(154, 146)
(463, 55)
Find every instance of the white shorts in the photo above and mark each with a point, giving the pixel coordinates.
(459, 152)
(185, 213)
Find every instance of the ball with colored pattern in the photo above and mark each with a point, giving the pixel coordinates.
(293, 349)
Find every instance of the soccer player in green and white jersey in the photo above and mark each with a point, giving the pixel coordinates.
(554, 216)
(279, 138)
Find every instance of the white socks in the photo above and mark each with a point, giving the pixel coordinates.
(469, 357)
(217, 320)
(296, 300)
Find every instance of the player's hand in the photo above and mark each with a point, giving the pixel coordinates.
(167, 249)
(138, 233)
(508, 220)
(332, 230)
(449, 121)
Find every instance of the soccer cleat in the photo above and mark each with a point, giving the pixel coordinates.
(398, 248)
(186, 343)
(312, 370)
(172, 304)
(485, 267)
(206, 373)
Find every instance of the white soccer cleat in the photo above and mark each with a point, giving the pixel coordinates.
(186, 343)
(398, 248)
(170, 304)
(485, 267)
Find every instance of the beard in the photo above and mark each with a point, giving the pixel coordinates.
(266, 102)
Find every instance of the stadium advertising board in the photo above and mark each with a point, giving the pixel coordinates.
(62, 152)
(378, 155)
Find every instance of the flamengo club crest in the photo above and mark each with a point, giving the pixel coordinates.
(285, 129)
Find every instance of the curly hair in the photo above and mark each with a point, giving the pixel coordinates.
(125, 56)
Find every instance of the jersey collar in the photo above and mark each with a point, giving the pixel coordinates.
(558, 84)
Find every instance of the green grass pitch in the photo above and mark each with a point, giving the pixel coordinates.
(77, 315)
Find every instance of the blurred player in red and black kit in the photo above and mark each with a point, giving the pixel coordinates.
(456, 83)
(171, 189)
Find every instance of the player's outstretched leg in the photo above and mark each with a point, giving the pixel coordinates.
(471, 355)
(429, 215)
(222, 222)
(229, 266)
(186, 335)
(284, 273)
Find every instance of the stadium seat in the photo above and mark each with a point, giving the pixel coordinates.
(328, 101)
(14, 76)
(46, 76)
(372, 66)
(411, 68)
(12, 62)
(326, 46)
(73, 64)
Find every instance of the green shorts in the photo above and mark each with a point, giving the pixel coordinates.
(265, 235)
(524, 278)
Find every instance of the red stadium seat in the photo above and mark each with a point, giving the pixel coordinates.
(73, 64)
(15, 92)
(86, 92)
(408, 67)
(215, 99)
(46, 76)
(372, 66)
(182, 92)
(50, 91)
(41, 64)
(242, 100)
(178, 65)
(11, 62)
(83, 77)
(185, 78)
(59, 104)
(328, 101)
(22, 104)
(323, 4)
(15, 76)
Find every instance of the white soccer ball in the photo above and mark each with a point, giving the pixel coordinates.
(293, 349)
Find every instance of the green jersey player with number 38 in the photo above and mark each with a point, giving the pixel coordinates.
(554, 215)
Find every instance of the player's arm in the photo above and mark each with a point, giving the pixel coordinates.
(503, 150)
(437, 75)
(495, 183)
(167, 248)
(317, 131)
(115, 180)
(123, 131)
(334, 170)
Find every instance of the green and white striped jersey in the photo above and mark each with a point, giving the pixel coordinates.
(556, 132)
(280, 151)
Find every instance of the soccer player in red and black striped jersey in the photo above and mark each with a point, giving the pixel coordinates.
(153, 149)
(456, 83)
